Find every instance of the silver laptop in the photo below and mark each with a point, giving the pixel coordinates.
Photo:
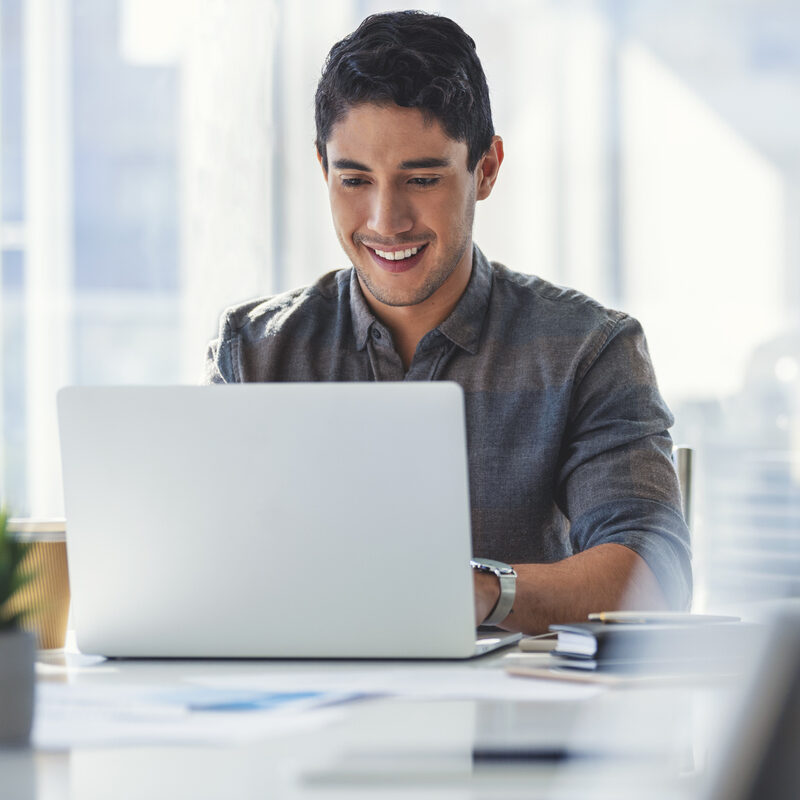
(325, 520)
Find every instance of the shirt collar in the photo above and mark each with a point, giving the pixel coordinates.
(464, 324)
(359, 311)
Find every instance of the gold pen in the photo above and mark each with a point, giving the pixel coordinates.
(646, 617)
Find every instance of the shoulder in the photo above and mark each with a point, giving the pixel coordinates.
(547, 310)
(255, 335)
(307, 306)
(568, 329)
(550, 303)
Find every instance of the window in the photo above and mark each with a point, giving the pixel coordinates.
(157, 165)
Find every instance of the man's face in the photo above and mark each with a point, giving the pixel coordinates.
(402, 203)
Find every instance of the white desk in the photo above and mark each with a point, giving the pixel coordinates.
(389, 747)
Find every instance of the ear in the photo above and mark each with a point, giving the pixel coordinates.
(322, 166)
(488, 167)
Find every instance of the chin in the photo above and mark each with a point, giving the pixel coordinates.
(391, 294)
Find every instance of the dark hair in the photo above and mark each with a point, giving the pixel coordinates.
(415, 60)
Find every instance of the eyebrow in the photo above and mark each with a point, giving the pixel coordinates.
(425, 163)
(346, 163)
(419, 163)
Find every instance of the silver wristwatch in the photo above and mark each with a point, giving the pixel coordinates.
(508, 587)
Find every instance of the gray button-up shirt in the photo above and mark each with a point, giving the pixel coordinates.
(567, 432)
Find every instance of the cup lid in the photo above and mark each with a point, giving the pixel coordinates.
(53, 530)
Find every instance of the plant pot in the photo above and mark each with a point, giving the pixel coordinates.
(17, 677)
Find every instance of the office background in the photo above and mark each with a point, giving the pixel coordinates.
(158, 165)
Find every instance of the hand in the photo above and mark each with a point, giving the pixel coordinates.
(487, 593)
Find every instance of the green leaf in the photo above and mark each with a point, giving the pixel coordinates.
(14, 620)
(12, 575)
(20, 579)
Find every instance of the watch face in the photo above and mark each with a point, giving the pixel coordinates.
(488, 565)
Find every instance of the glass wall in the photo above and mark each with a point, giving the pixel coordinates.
(157, 165)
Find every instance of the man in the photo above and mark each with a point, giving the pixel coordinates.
(570, 473)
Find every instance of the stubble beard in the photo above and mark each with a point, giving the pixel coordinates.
(434, 280)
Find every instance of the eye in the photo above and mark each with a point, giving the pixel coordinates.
(432, 181)
(350, 183)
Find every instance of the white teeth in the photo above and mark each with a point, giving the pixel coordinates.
(398, 255)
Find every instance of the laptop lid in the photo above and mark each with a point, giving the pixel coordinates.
(269, 520)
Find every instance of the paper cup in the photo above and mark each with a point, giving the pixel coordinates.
(48, 593)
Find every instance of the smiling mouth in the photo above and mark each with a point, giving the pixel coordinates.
(397, 255)
(397, 260)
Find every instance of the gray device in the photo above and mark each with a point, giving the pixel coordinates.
(326, 520)
(758, 757)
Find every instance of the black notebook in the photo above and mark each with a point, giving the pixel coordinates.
(592, 645)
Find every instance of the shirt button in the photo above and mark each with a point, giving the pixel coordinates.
(376, 334)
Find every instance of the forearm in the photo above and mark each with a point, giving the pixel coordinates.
(606, 577)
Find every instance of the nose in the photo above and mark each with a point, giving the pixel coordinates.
(390, 213)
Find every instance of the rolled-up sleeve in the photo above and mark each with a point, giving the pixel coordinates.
(617, 482)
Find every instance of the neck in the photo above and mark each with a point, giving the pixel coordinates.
(408, 324)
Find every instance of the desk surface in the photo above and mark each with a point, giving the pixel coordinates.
(456, 730)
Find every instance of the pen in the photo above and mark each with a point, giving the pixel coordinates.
(645, 617)
(503, 754)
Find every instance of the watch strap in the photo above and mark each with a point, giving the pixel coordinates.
(508, 588)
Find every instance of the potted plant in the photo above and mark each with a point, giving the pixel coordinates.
(17, 646)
